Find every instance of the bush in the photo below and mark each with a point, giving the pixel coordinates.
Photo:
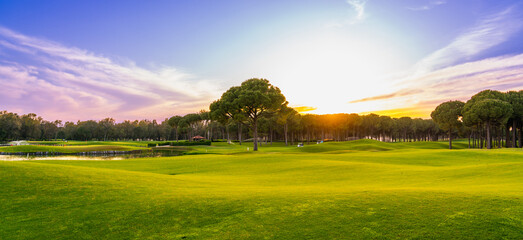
(158, 144)
(183, 143)
(195, 143)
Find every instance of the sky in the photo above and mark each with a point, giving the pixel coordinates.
(83, 60)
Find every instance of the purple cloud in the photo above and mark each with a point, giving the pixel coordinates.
(68, 83)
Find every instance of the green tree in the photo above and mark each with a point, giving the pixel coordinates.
(490, 112)
(174, 122)
(385, 126)
(10, 126)
(193, 121)
(31, 126)
(250, 100)
(515, 98)
(448, 117)
(405, 126)
(284, 116)
(106, 125)
(471, 114)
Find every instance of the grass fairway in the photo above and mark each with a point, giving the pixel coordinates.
(74, 147)
(356, 190)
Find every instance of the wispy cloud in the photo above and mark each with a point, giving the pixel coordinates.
(404, 92)
(356, 14)
(302, 109)
(69, 83)
(428, 6)
(450, 73)
(489, 32)
(458, 82)
(359, 7)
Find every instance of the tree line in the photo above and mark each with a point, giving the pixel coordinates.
(262, 108)
(32, 127)
(257, 111)
(286, 125)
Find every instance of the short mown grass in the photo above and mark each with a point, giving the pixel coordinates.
(353, 190)
(67, 148)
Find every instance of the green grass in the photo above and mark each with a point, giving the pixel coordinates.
(68, 148)
(356, 190)
(84, 143)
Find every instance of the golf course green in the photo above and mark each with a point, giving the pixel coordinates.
(361, 189)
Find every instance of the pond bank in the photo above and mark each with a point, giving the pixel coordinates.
(13, 158)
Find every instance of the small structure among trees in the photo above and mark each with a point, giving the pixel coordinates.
(198, 138)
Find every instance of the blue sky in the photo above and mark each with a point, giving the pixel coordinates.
(152, 59)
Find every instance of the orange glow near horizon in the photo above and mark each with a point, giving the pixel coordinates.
(394, 113)
(402, 112)
(304, 109)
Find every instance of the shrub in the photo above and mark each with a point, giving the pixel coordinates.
(195, 143)
(183, 143)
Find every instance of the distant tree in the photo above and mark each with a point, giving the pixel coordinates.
(491, 112)
(471, 116)
(85, 130)
(192, 121)
(385, 126)
(284, 116)
(220, 112)
(174, 122)
(370, 124)
(10, 126)
(165, 130)
(515, 98)
(49, 129)
(307, 123)
(225, 112)
(205, 117)
(30, 128)
(448, 117)
(405, 126)
(106, 125)
(251, 99)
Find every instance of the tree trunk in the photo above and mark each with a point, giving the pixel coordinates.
(227, 129)
(508, 141)
(450, 139)
(489, 140)
(520, 137)
(514, 129)
(481, 139)
(255, 130)
(285, 130)
(272, 130)
(240, 133)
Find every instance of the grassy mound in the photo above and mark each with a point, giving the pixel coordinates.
(408, 191)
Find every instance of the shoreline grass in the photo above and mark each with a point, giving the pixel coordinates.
(330, 191)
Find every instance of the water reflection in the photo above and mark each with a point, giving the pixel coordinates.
(95, 155)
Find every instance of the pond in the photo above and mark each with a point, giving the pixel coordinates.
(99, 155)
